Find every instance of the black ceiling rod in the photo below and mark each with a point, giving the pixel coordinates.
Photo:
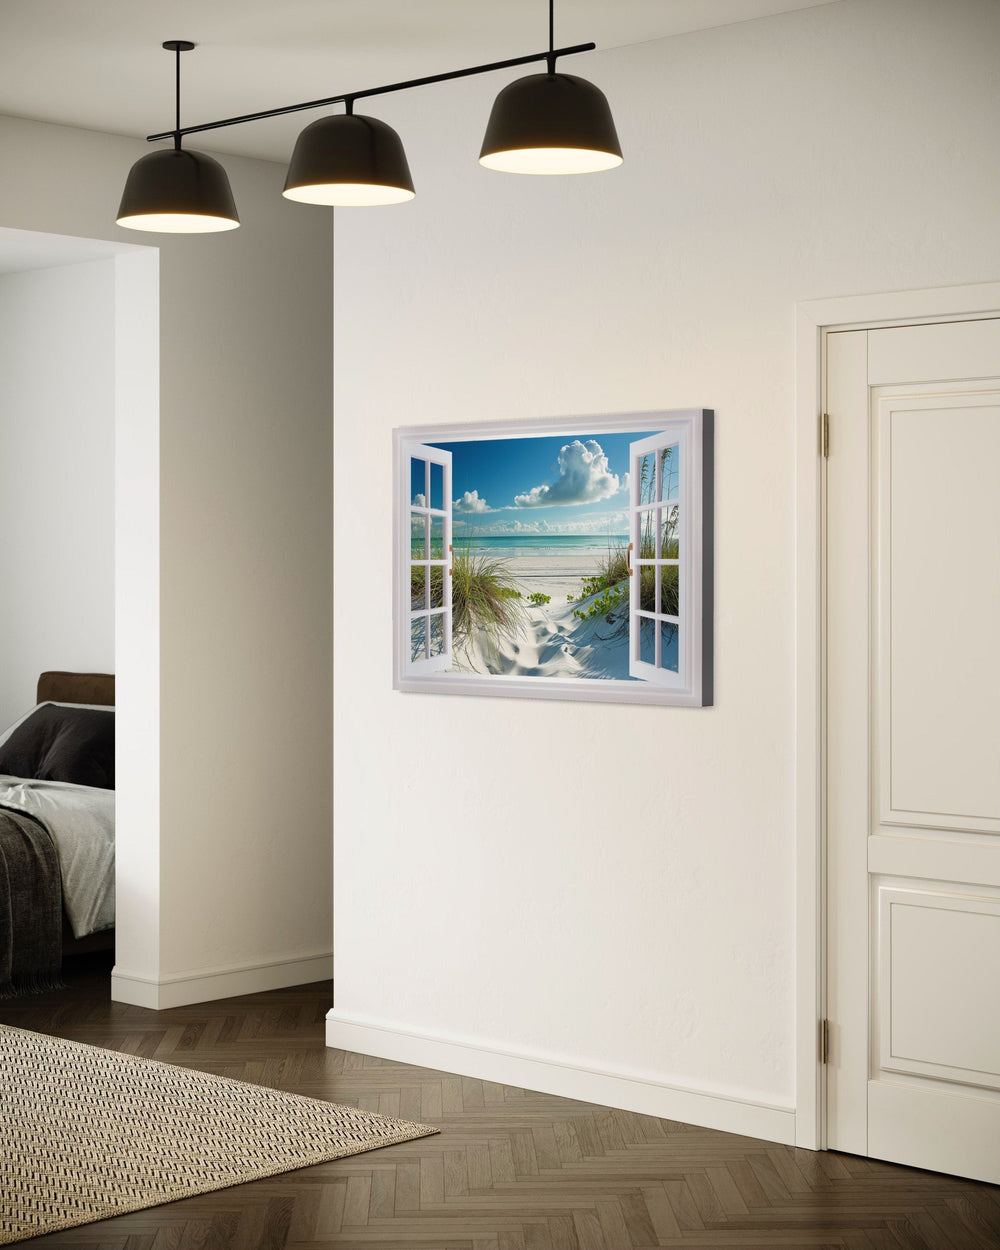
(547, 56)
(177, 46)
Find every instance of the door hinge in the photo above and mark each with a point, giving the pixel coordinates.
(824, 1041)
(824, 435)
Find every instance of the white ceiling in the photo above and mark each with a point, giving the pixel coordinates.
(99, 64)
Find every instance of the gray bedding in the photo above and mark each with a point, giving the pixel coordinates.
(81, 822)
(30, 906)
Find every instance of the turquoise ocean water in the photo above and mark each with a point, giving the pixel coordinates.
(541, 544)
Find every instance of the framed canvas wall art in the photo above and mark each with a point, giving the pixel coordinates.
(568, 558)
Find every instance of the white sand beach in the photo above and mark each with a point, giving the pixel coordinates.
(552, 642)
(556, 575)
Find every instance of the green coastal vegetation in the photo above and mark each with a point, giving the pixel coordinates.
(606, 592)
(484, 596)
(485, 599)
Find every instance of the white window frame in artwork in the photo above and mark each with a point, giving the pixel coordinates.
(692, 685)
(679, 431)
(408, 452)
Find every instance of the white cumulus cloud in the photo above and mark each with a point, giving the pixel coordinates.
(470, 502)
(420, 500)
(584, 477)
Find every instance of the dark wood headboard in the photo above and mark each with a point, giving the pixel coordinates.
(77, 688)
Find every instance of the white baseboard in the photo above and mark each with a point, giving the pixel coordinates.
(607, 1089)
(183, 988)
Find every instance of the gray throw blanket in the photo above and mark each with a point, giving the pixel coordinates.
(80, 820)
(30, 906)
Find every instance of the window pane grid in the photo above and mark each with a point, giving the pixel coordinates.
(418, 586)
(427, 586)
(418, 537)
(667, 473)
(656, 560)
(429, 514)
(427, 635)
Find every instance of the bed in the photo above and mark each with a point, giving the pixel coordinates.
(57, 804)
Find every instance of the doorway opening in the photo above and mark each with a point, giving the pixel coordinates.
(79, 493)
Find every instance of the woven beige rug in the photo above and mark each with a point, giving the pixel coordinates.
(86, 1133)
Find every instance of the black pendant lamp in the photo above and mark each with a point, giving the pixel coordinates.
(176, 191)
(349, 161)
(543, 124)
(551, 124)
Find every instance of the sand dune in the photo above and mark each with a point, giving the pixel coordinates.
(553, 643)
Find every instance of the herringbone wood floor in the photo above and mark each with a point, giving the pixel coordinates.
(510, 1170)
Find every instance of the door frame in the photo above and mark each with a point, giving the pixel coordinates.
(136, 382)
(814, 321)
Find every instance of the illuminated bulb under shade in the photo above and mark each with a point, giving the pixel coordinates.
(550, 161)
(551, 124)
(177, 192)
(348, 194)
(349, 161)
(177, 223)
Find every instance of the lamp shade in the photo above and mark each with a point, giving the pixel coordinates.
(348, 159)
(175, 191)
(551, 124)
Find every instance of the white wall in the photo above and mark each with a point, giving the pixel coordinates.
(57, 487)
(227, 875)
(611, 887)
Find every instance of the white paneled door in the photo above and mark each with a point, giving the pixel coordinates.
(913, 780)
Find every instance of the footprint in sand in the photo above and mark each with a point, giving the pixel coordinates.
(558, 647)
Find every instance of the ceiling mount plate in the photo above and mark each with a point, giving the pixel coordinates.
(178, 45)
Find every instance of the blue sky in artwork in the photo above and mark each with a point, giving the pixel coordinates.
(554, 484)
